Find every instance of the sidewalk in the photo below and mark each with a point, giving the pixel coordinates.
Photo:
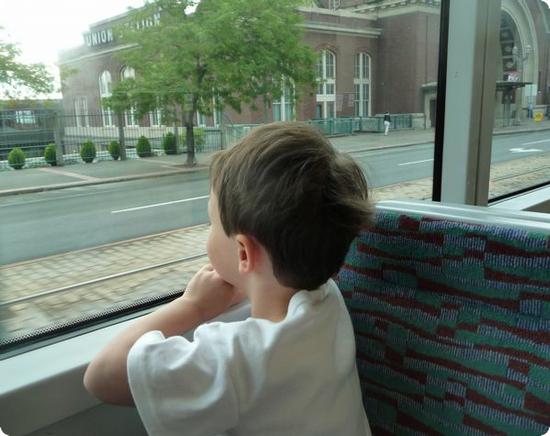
(47, 178)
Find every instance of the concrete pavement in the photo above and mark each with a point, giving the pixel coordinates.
(125, 264)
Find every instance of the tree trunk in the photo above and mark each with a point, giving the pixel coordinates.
(266, 109)
(190, 139)
(177, 135)
(121, 141)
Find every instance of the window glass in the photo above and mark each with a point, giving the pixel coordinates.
(105, 91)
(127, 219)
(520, 153)
(326, 91)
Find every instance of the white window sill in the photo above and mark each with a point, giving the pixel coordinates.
(44, 386)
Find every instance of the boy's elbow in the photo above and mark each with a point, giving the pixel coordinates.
(107, 387)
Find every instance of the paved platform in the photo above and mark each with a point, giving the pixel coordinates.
(76, 269)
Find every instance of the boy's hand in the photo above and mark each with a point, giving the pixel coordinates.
(210, 294)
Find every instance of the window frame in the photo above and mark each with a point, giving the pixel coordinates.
(106, 90)
(361, 81)
(326, 100)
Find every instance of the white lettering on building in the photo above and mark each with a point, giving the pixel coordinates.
(97, 38)
(106, 35)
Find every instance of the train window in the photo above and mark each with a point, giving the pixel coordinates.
(93, 250)
(520, 156)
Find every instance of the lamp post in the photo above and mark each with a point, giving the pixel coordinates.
(519, 58)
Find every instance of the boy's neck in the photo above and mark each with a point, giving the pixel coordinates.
(269, 300)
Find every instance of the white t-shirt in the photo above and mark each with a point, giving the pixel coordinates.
(254, 377)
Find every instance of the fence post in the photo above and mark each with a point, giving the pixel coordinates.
(58, 138)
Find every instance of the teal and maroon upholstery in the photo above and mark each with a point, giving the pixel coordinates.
(452, 324)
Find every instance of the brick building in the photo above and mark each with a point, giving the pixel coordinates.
(374, 55)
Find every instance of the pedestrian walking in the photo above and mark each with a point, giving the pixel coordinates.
(530, 110)
(387, 122)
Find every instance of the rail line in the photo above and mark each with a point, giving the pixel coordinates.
(98, 280)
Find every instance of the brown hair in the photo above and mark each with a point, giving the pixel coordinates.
(286, 186)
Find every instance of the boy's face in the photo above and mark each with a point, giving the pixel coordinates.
(222, 250)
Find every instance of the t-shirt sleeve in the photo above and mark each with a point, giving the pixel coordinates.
(183, 387)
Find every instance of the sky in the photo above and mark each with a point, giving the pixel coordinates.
(41, 28)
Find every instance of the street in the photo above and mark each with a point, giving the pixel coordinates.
(51, 222)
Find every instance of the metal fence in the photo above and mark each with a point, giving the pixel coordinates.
(347, 126)
(71, 132)
(29, 130)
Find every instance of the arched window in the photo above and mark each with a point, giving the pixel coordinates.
(361, 84)
(129, 115)
(326, 89)
(106, 90)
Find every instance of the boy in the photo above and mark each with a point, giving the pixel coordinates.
(284, 208)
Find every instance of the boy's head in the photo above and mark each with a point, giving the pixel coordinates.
(304, 202)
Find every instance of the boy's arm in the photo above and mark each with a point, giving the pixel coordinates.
(206, 297)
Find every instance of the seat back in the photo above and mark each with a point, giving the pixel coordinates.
(452, 323)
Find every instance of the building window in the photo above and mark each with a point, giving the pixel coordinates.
(25, 117)
(361, 84)
(155, 117)
(326, 89)
(81, 112)
(106, 90)
(201, 120)
(284, 108)
(217, 112)
(130, 117)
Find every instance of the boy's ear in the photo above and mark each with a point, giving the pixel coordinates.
(248, 253)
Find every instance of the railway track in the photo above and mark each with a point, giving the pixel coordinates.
(95, 281)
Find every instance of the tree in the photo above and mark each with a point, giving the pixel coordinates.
(122, 99)
(15, 75)
(226, 52)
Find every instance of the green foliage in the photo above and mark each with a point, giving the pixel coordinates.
(122, 98)
(261, 52)
(169, 143)
(50, 155)
(143, 147)
(16, 76)
(200, 139)
(16, 158)
(88, 152)
(114, 150)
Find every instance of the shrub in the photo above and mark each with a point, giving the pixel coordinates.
(114, 150)
(50, 155)
(16, 158)
(88, 152)
(169, 143)
(143, 147)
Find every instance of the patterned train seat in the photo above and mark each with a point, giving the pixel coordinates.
(452, 323)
